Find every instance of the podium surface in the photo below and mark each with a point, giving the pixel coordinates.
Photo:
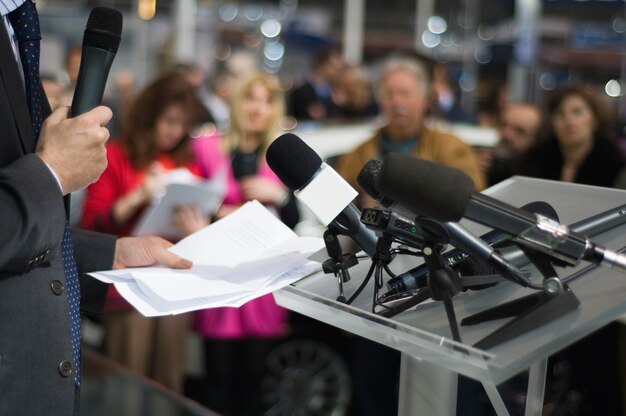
(423, 332)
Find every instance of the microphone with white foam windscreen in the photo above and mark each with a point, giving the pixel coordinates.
(320, 188)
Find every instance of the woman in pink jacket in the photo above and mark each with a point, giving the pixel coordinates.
(237, 339)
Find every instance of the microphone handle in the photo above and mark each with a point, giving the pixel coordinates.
(348, 223)
(590, 227)
(601, 222)
(414, 278)
(601, 255)
(95, 65)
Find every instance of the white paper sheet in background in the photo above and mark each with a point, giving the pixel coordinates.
(156, 220)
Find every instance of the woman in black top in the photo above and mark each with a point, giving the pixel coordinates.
(578, 145)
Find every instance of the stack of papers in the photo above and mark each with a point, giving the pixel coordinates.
(243, 256)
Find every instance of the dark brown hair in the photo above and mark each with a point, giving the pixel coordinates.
(138, 129)
(324, 55)
(601, 111)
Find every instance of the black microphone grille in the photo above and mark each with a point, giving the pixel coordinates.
(428, 188)
(367, 176)
(367, 180)
(292, 160)
(104, 29)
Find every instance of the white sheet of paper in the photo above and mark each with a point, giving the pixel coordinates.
(156, 220)
(243, 234)
(243, 256)
(132, 291)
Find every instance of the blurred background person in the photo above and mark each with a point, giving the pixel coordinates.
(196, 76)
(312, 100)
(217, 97)
(352, 98)
(518, 129)
(403, 93)
(490, 108)
(214, 93)
(155, 139)
(577, 146)
(446, 104)
(238, 339)
(578, 142)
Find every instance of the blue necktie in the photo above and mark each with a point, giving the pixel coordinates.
(25, 23)
(26, 26)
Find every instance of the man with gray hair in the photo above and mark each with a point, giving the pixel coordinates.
(403, 92)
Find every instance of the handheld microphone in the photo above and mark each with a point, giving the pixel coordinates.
(445, 194)
(320, 188)
(100, 43)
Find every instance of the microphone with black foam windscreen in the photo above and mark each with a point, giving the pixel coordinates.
(458, 235)
(320, 188)
(446, 194)
(367, 178)
(467, 266)
(100, 43)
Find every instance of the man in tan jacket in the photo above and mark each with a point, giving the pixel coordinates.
(403, 97)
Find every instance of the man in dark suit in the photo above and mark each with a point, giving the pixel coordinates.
(38, 367)
(312, 100)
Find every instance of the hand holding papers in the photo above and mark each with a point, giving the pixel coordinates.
(183, 189)
(245, 255)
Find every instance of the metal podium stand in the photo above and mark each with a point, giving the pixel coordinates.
(431, 360)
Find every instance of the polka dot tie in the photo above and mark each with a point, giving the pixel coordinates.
(73, 293)
(25, 23)
(26, 26)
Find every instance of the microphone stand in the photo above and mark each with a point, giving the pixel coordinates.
(530, 311)
(338, 263)
(416, 296)
(443, 283)
(476, 281)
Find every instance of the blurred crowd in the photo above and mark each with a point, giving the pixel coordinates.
(217, 126)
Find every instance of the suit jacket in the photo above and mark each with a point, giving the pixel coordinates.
(433, 145)
(300, 99)
(35, 345)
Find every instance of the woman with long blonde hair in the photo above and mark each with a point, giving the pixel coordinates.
(237, 339)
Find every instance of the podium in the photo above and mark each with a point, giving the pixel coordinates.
(431, 359)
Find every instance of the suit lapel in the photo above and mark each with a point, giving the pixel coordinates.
(12, 82)
(10, 78)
